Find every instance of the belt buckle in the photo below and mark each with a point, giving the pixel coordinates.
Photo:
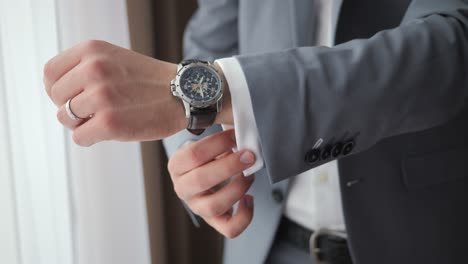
(314, 238)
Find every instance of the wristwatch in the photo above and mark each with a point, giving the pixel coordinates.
(200, 88)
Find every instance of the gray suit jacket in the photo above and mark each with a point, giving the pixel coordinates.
(390, 103)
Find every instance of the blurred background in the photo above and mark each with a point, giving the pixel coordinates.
(113, 202)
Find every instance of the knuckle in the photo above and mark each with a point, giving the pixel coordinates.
(53, 95)
(61, 116)
(47, 71)
(97, 68)
(78, 139)
(199, 181)
(195, 207)
(103, 96)
(194, 154)
(213, 209)
(232, 231)
(178, 191)
(171, 167)
(93, 45)
(109, 122)
(47, 86)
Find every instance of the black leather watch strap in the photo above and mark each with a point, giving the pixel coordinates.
(200, 119)
(187, 62)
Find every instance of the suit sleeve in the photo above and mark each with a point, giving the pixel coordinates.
(210, 34)
(407, 79)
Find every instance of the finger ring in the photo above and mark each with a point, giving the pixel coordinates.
(70, 112)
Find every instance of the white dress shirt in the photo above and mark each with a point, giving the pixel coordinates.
(314, 197)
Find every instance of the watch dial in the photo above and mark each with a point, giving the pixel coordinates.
(200, 84)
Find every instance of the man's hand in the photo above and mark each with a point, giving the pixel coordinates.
(120, 94)
(207, 176)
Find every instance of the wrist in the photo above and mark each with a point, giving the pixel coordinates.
(176, 108)
(200, 122)
(225, 116)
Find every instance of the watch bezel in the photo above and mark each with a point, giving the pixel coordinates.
(177, 90)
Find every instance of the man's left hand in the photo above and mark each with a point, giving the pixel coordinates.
(118, 94)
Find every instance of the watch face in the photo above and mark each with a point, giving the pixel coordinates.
(200, 84)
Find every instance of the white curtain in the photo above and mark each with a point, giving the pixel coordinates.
(60, 203)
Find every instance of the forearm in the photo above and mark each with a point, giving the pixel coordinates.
(406, 79)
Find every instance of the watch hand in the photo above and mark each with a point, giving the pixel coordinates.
(201, 92)
(201, 80)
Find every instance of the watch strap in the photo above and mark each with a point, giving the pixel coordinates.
(200, 119)
(187, 62)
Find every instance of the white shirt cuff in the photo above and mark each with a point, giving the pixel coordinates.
(244, 119)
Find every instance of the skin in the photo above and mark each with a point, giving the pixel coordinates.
(208, 177)
(125, 96)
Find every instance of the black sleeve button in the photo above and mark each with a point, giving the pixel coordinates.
(337, 149)
(312, 156)
(326, 153)
(277, 195)
(348, 147)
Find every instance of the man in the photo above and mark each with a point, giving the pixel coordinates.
(357, 172)
(392, 103)
(272, 201)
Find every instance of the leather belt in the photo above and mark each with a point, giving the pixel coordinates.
(326, 246)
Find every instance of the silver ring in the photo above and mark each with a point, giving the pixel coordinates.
(70, 112)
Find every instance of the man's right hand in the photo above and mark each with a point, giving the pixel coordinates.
(208, 177)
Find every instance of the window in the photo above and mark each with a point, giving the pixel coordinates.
(61, 204)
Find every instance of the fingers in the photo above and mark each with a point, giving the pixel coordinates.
(232, 226)
(85, 104)
(89, 74)
(211, 174)
(58, 66)
(201, 152)
(62, 117)
(82, 106)
(199, 172)
(94, 130)
(225, 154)
(69, 85)
(221, 201)
(67, 60)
